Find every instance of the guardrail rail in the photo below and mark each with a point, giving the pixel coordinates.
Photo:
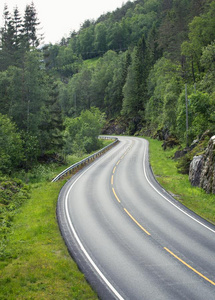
(86, 160)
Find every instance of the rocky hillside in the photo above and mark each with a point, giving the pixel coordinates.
(202, 168)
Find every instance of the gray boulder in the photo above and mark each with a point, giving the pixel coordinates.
(202, 168)
(195, 170)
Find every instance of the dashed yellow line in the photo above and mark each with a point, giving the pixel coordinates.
(115, 195)
(138, 224)
(187, 265)
(117, 198)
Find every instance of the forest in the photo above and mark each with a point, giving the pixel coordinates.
(131, 68)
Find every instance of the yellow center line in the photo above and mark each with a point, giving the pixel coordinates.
(187, 265)
(136, 222)
(114, 169)
(116, 195)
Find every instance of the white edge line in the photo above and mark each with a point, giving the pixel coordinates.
(144, 168)
(81, 245)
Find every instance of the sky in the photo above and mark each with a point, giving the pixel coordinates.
(59, 18)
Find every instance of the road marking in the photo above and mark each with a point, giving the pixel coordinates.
(138, 224)
(107, 282)
(122, 157)
(187, 265)
(116, 195)
(176, 206)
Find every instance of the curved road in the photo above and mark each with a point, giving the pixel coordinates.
(130, 237)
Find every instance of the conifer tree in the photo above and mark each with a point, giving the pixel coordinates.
(154, 51)
(30, 25)
(51, 126)
(135, 89)
(141, 66)
(17, 20)
(7, 41)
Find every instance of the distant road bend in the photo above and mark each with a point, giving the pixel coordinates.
(130, 237)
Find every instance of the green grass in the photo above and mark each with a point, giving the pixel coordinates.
(91, 62)
(166, 173)
(37, 264)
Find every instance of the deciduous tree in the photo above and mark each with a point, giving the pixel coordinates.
(11, 148)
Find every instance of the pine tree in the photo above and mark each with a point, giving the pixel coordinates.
(30, 25)
(17, 36)
(17, 21)
(141, 65)
(7, 41)
(135, 88)
(51, 126)
(154, 51)
(126, 66)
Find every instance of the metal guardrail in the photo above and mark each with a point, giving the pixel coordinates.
(86, 160)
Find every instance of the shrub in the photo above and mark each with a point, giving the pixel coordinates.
(11, 148)
(81, 134)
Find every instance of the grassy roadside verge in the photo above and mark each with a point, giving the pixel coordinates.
(165, 171)
(36, 263)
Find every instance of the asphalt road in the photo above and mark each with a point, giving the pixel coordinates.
(130, 237)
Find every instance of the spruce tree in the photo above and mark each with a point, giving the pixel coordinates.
(17, 21)
(7, 41)
(30, 25)
(135, 89)
(51, 126)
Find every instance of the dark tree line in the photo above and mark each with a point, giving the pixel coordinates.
(132, 64)
(18, 35)
(28, 95)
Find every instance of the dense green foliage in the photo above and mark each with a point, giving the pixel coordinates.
(146, 52)
(133, 62)
(11, 148)
(81, 134)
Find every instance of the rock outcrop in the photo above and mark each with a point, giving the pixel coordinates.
(195, 170)
(202, 168)
(117, 126)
